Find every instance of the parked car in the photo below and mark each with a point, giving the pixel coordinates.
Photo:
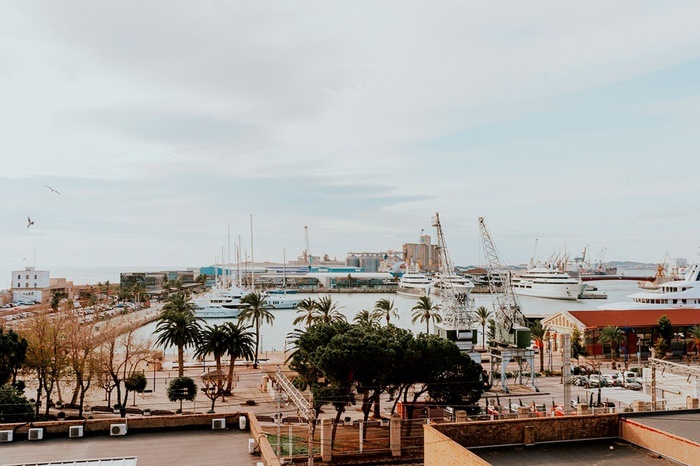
(632, 384)
(579, 380)
(594, 380)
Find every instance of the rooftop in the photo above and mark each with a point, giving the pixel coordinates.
(636, 318)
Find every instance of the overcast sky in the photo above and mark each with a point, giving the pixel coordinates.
(161, 123)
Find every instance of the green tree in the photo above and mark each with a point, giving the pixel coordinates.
(182, 388)
(13, 353)
(257, 312)
(613, 336)
(14, 407)
(695, 336)
(136, 382)
(665, 329)
(177, 326)
(384, 308)
(482, 317)
(425, 311)
(305, 309)
(56, 298)
(327, 311)
(214, 340)
(539, 333)
(365, 318)
(578, 345)
(241, 344)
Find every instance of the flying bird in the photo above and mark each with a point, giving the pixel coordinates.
(53, 190)
(30, 222)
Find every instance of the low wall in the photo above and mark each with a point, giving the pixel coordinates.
(439, 450)
(664, 443)
(532, 430)
(256, 431)
(101, 426)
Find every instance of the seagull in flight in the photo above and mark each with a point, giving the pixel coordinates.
(30, 222)
(53, 190)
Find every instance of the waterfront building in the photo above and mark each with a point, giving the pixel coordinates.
(31, 285)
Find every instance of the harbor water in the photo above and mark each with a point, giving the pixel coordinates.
(274, 337)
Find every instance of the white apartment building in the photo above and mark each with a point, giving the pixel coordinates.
(30, 285)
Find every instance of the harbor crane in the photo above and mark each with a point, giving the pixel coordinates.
(512, 336)
(458, 306)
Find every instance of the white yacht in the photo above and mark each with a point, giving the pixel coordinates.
(547, 282)
(679, 294)
(220, 303)
(414, 283)
(446, 284)
(282, 299)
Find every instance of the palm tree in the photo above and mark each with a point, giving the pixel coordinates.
(107, 285)
(214, 340)
(425, 310)
(166, 285)
(257, 312)
(613, 336)
(138, 289)
(695, 335)
(539, 333)
(365, 318)
(482, 315)
(240, 345)
(385, 308)
(305, 309)
(327, 311)
(177, 326)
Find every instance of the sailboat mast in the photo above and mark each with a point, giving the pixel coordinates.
(252, 262)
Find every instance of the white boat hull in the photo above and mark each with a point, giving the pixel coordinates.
(216, 313)
(413, 291)
(566, 291)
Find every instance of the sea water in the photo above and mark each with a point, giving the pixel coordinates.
(274, 337)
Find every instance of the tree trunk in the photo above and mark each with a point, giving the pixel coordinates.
(180, 360)
(257, 343)
(229, 381)
(339, 412)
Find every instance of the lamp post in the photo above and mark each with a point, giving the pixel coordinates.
(639, 353)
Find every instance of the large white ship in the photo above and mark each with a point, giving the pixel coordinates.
(680, 294)
(455, 285)
(414, 283)
(220, 303)
(547, 282)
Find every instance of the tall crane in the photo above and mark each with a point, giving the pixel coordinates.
(307, 252)
(512, 335)
(506, 304)
(457, 307)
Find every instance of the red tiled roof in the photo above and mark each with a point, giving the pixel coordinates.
(637, 318)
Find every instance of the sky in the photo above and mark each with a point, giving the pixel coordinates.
(166, 124)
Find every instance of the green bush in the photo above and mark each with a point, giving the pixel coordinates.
(182, 388)
(14, 407)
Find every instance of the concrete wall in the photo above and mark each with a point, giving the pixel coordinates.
(668, 445)
(532, 430)
(101, 426)
(439, 450)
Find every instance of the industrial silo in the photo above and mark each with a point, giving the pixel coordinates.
(352, 261)
(369, 264)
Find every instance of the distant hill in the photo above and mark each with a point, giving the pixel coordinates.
(631, 265)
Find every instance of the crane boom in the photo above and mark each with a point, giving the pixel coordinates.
(506, 304)
(456, 306)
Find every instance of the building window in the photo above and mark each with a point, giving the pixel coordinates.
(18, 285)
(26, 285)
(34, 277)
(27, 277)
(35, 285)
(18, 277)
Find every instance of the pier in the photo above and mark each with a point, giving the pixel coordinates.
(598, 278)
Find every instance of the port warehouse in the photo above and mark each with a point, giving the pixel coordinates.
(639, 326)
